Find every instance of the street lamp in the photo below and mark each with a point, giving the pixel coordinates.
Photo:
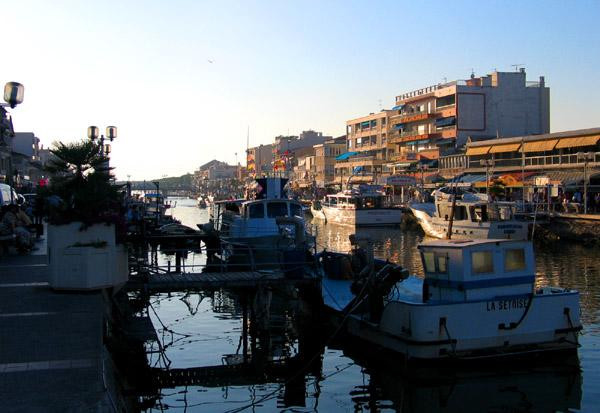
(13, 95)
(488, 163)
(585, 157)
(105, 148)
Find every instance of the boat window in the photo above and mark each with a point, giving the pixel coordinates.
(435, 263)
(479, 213)
(296, 210)
(277, 209)
(514, 259)
(332, 200)
(482, 262)
(256, 211)
(460, 212)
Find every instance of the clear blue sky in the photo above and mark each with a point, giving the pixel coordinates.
(278, 66)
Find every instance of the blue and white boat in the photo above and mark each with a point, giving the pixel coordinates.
(477, 300)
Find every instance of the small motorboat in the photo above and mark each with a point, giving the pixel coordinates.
(478, 300)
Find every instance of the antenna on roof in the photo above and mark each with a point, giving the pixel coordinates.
(517, 66)
(379, 101)
(472, 74)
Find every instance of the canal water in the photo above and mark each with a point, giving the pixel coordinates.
(291, 372)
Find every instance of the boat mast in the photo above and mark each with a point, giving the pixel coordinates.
(451, 218)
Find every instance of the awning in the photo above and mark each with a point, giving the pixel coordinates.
(578, 141)
(345, 156)
(471, 179)
(398, 107)
(403, 164)
(507, 147)
(539, 146)
(365, 124)
(399, 126)
(514, 179)
(450, 120)
(478, 150)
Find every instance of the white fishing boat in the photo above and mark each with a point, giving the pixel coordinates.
(365, 206)
(477, 300)
(475, 217)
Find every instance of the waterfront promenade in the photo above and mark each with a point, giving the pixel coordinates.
(52, 357)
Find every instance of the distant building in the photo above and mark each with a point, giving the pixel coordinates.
(259, 160)
(368, 147)
(325, 154)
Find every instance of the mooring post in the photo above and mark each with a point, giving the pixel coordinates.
(178, 262)
(245, 326)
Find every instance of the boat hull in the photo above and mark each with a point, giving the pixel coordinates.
(438, 228)
(472, 330)
(363, 217)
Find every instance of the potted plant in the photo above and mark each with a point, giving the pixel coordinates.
(84, 213)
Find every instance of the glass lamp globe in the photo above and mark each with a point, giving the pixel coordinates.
(93, 132)
(13, 93)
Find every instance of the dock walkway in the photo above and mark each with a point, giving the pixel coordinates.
(214, 280)
(52, 358)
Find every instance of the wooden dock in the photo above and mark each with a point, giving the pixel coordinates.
(213, 280)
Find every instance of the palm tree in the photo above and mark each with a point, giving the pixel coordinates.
(80, 176)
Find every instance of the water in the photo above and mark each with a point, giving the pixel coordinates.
(200, 331)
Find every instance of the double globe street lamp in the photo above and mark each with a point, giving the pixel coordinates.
(105, 148)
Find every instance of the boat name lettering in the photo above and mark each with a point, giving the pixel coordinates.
(501, 305)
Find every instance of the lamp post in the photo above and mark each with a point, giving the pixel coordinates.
(585, 157)
(422, 168)
(488, 163)
(13, 96)
(105, 148)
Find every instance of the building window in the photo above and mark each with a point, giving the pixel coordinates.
(373, 123)
(445, 101)
(383, 121)
(383, 138)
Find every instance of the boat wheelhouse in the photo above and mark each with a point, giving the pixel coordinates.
(475, 216)
(477, 300)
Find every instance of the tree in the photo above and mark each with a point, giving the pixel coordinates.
(80, 176)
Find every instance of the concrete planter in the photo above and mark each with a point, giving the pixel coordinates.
(76, 264)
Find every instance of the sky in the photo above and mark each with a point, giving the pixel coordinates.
(184, 80)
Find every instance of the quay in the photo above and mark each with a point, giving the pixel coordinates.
(214, 280)
(52, 356)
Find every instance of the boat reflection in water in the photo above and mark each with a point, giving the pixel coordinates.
(544, 386)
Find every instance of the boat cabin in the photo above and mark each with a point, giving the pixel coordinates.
(470, 270)
(355, 200)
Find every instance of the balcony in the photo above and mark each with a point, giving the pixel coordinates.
(413, 117)
(413, 135)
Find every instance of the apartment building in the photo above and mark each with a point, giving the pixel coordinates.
(325, 154)
(368, 148)
(438, 119)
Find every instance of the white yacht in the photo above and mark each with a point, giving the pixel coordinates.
(477, 300)
(475, 217)
(359, 207)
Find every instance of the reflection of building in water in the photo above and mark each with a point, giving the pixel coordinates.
(394, 244)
